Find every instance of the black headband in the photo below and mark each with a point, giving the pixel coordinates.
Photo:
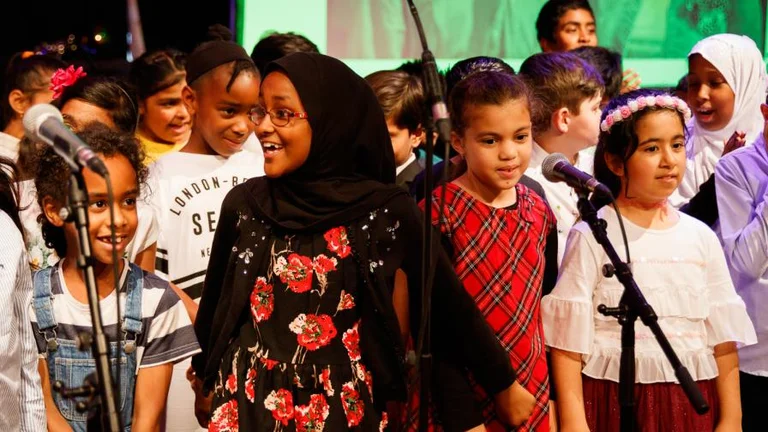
(211, 55)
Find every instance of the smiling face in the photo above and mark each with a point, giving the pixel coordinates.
(657, 166)
(496, 143)
(164, 118)
(286, 148)
(126, 192)
(709, 94)
(222, 117)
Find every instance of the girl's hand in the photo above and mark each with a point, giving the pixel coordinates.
(515, 404)
(202, 402)
(630, 81)
(736, 141)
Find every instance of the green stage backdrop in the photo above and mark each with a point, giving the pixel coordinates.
(654, 36)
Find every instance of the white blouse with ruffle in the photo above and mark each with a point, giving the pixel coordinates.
(682, 273)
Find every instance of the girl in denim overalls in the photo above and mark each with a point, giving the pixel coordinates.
(155, 328)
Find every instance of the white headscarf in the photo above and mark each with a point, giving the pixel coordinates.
(740, 62)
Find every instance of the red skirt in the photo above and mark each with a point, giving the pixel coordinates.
(660, 407)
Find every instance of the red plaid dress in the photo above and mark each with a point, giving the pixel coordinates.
(499, 256)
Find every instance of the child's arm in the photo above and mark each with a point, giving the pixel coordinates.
(152, 385)
(189, 304)
(566, 368)
(727, 383)
(146, 258)
(56, 421)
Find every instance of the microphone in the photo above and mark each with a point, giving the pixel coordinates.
(44, 122)
(556, 168)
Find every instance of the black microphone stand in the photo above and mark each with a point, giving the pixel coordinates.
(633, 305)
(108, 419)
(436, 118)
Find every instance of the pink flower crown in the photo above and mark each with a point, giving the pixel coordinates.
(64, 78)
(634, 105)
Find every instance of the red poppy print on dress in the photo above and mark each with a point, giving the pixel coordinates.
(268, 363)
(314, 331)
(325, 380)
(297, 273)
(384, 422)
(322, 265)
(224, 418)
(311, 418)
(352, 404)
(364, 375)
(250, 384)
(338, 242)
(262, 300)
(346, 301)
(231, 384)
(280, 402)
(351, 340)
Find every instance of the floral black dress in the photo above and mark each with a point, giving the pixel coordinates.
(297, 363)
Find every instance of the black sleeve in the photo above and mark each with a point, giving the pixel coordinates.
(223, 240)
(454, 398)
(458, 329)
(550, 262)
(703, 206)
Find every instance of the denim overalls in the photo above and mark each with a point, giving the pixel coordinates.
(68, 364)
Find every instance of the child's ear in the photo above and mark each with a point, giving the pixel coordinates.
(143, 107)
(456, 143)
(615, 164)
(561, 118)
(189, 98)
(51, 210)
(417, 137)
(18, 102)
(764, 111)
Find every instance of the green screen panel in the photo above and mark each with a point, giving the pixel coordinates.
(654, 36)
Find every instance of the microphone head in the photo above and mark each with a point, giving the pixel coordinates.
(36, 115)
(548, 166)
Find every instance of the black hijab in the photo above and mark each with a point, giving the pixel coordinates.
(350, 169)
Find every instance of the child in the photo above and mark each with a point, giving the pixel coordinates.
(567, 121)
(164, 123)
(742, 183)
(188, 186)
(401, 96)
(157, 330)
(275, 45)
(316, 247)
(20, 392)
(84, 100)
(678, 264)
(497, 229)
(27, 83)
(726, 85)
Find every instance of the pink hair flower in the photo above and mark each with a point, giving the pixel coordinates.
(625, 112)
(609, 121)
(641, 103)
(64, 78)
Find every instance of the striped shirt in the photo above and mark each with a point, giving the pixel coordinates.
(21, 396)
(167, 335)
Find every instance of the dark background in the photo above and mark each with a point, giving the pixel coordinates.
(28, 24)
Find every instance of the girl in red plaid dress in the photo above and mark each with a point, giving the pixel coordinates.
(495, 231)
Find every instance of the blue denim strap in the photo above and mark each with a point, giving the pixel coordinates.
(42, 300)
(132, 325)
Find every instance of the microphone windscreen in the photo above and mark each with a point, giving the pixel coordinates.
(548, 166)
(36, 115)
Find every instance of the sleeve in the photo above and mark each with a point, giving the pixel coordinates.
(743, 221)
(31, 394)
(455, 398)
(703, 206)
(550, 256)
(567, 312)
(223, 240)
(147, 231)
(459, 330)
(728, 320)
(170, 336)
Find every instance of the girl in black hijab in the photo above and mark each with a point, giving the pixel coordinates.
(297, 321)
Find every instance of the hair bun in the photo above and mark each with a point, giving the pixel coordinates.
(219, 32)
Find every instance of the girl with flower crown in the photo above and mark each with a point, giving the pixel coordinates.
(641, 158)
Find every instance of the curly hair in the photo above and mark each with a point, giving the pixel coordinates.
(621, 139)
(53, 173)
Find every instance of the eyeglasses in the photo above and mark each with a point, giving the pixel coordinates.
(279, 117)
